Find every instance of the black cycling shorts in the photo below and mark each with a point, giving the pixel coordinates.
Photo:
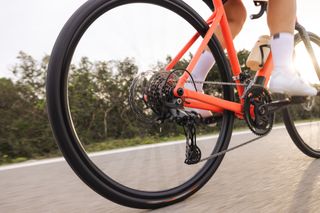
(209, 3)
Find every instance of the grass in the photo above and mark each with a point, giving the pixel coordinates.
(121, 143)
(7, 160)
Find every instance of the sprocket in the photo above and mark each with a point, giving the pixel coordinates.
(256, 115)
(150, 93)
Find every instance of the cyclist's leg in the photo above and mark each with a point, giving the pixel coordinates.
(281, 16)
(236, 14)
(281, 21)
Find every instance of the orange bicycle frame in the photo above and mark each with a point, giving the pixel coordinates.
(202, 101)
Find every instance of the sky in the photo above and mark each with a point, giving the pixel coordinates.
(32, 26)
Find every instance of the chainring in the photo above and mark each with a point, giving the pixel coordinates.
(257, 117)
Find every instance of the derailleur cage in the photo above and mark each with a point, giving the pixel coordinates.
(193, 152)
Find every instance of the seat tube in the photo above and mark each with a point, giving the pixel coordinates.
(228, 41)
(263, 75)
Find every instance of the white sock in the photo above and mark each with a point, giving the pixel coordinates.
(282, 46)
(201, 70)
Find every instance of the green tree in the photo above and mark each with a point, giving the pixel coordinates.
(98, 98)
(24, 129)
(242, 57)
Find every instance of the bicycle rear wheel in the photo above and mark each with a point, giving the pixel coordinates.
(89, 109)
(303, 121)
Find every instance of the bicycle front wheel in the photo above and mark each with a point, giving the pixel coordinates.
(94, 61)
(303, 121)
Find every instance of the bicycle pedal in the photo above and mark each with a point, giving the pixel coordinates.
(293, 99)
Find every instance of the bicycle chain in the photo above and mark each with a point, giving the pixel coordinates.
(248, 86)
(218, 83)
(230, 149)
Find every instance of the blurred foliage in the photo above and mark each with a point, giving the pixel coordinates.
(98, 97)
(24, 127)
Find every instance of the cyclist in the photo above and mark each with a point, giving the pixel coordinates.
(281, 17)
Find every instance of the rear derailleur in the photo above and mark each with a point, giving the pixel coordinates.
(189, 123)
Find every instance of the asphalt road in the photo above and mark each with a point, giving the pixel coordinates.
(270, 175)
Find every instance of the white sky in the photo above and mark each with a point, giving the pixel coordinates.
(33, 25)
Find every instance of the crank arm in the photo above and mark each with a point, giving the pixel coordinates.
(280, 104)
(275, 105)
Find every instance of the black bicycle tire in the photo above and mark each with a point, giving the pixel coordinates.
(288, 121)
(57, 103)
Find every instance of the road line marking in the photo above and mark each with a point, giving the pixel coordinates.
(31, 163)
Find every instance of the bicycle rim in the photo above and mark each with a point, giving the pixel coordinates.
(88, 101)
(303, 121)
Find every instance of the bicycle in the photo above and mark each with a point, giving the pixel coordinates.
(160, 97)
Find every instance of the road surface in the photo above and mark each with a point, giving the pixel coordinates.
(270, 175)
